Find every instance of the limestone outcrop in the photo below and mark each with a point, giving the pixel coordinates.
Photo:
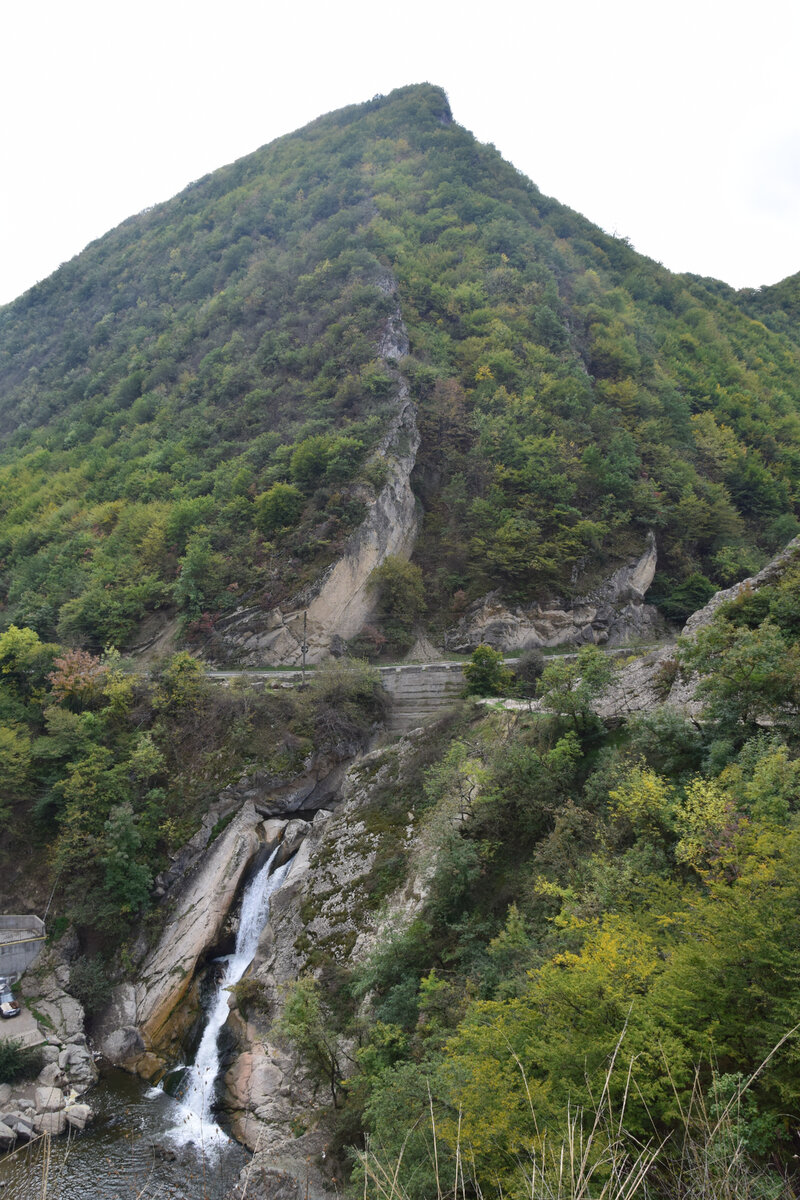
(649, 680)
(144, 1022)
(612, 613)
(325, 906)
(339, 603)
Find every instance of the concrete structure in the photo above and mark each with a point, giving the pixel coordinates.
(21, 939)
(420, 692)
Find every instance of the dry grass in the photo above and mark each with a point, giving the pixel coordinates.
(598, 1159)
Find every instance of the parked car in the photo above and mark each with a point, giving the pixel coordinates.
(9, 1007)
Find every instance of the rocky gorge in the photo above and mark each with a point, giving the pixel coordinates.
(360, 859)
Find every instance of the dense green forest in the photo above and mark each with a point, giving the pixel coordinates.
(191, 407)
(106, 772)
(609, 949)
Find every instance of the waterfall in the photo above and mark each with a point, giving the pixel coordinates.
(196, 1122)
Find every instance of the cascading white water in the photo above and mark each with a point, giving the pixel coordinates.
(197, 1124)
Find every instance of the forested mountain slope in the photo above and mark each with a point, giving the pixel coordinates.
(191, 407)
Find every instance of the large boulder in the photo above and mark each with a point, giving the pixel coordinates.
(49, 1099)
(51, 1075)
(63, 1012)
(53, 1123)
(116, 1035)
(198, 913)
(78, 1115)
(122, 1045)
(20, 1125)
(77, 1063)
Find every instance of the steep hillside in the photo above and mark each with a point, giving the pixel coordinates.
(193, 409)
(778, 306)
(484, 920)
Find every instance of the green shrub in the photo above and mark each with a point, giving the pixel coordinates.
(89, 983)
(678, 601)
(527, 670)
(279, 507)
(18, 1061)
(400, 588)
(487, 674)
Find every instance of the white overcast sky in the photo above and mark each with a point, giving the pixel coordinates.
(673, 123)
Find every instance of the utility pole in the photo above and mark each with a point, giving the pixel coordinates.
(304, 648)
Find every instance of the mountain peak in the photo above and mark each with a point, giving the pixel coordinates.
(197, 410)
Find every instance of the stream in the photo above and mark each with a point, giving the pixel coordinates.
(196, 1124)
(118, 1156)
(145, 1144)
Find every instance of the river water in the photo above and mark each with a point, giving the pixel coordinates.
(145, 1144)
(119, 1156)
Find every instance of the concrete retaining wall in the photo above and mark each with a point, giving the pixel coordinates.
(21, 939)
(420, 693)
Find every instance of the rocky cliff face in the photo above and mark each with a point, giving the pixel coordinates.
(144, 1024)
(654, 679)
(325, 913)
(54, 1021)
(340, 602)
(330, 909)
(609, 614)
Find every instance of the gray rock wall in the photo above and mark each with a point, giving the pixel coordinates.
(612, 613)
(340, 602)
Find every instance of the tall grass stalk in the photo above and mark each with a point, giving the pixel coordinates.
(597, 1158)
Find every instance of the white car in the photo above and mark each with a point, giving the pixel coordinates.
(9, 1007)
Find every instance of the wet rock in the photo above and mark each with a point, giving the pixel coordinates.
(200, 908)
(151, 1067)
(78, 1115)
(50, 1122)
(7, 1137)
(272, 832)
